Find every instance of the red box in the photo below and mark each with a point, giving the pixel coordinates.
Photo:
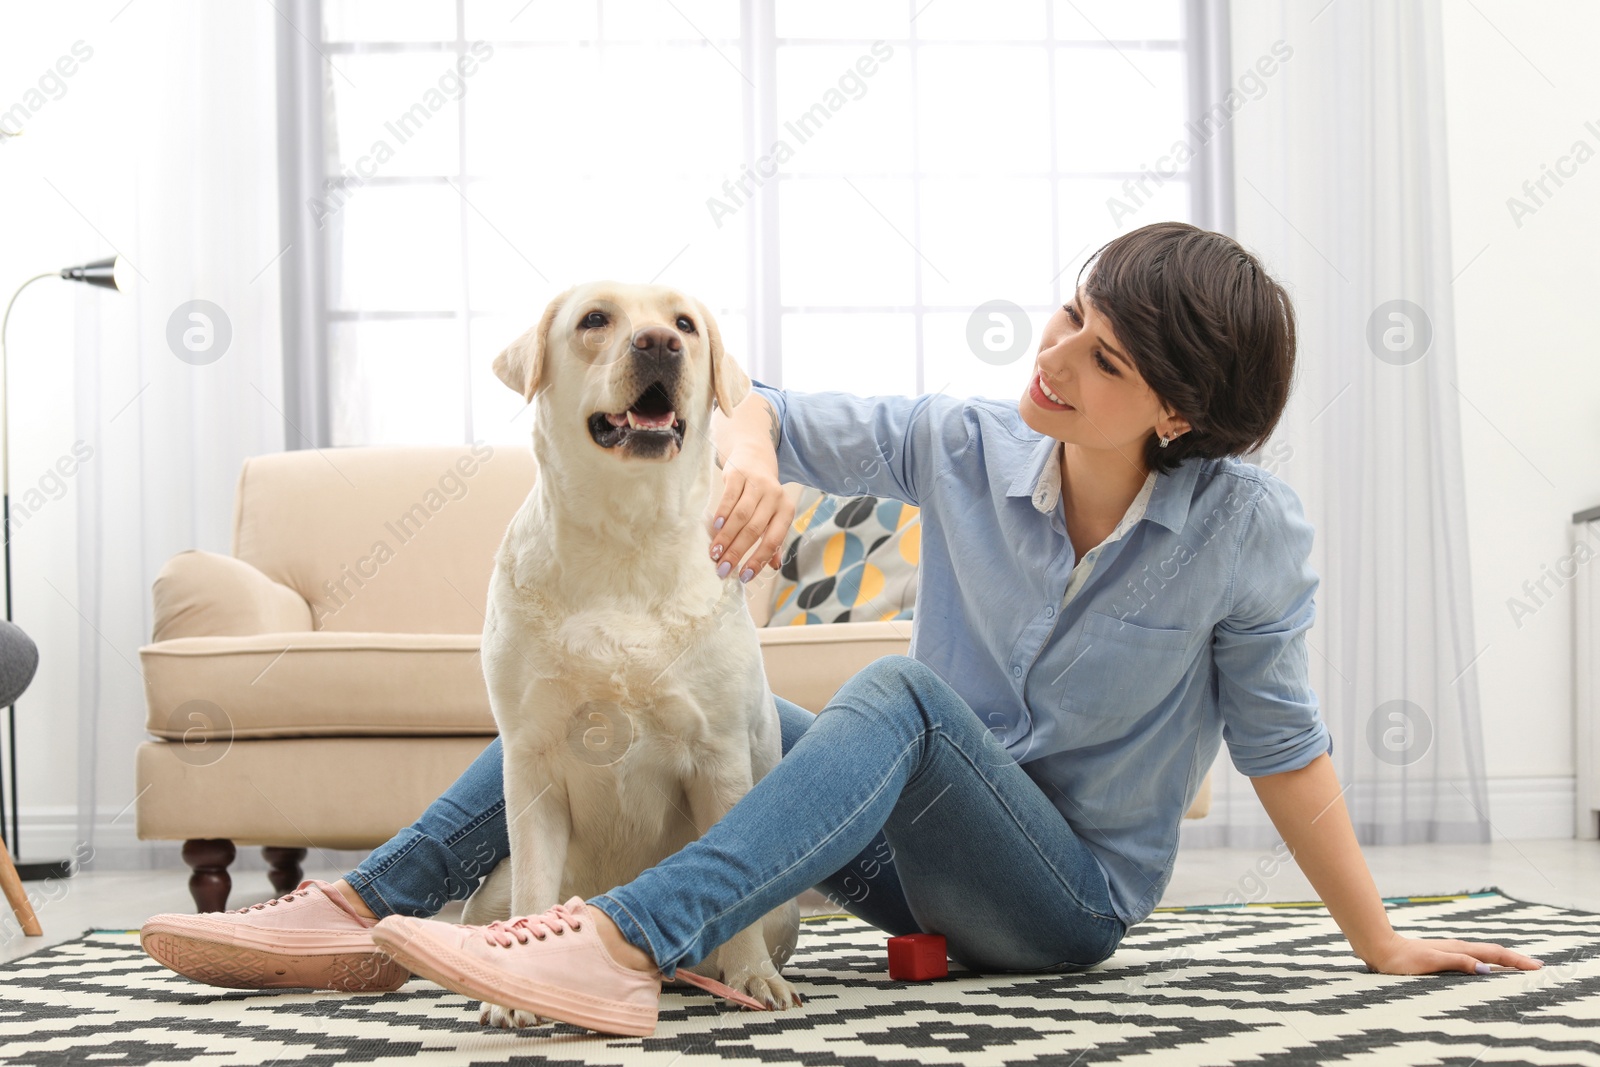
(917, 957)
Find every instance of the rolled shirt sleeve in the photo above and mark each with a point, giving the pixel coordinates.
(848, 445)
(1270, 716)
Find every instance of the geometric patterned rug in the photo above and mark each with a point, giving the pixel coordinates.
(1268, 985)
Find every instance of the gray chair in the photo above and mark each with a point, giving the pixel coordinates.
(19, 658)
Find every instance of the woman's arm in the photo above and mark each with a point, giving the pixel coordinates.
(754, 511)
(1307, 807)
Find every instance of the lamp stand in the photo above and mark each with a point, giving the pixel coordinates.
(37, 871)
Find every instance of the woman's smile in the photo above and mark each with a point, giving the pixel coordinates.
(1042, 395)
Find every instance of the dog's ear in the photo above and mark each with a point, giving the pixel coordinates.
(521, 364)
(729, 383)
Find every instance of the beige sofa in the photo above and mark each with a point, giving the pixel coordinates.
(320, 686)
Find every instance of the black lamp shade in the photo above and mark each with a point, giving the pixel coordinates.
(101, 272)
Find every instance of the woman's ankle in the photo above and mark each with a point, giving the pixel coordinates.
(621, 949)
(349, 893)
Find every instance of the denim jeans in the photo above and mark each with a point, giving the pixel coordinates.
(895, 801)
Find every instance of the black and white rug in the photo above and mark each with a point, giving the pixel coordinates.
(1268, 985)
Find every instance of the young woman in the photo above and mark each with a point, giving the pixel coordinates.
(1105, 597)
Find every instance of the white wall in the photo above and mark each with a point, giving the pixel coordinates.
(1522, 80)
(64, 144)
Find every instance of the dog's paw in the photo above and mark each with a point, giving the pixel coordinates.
(508, 1018)
(770, 989)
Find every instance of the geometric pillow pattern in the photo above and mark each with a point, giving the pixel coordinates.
(848, 559)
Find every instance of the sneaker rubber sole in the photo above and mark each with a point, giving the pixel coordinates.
(235, 967)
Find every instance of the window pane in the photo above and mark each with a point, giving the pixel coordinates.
(1015, 20)
(396, 248)
(864, 354)
(648, 121)
(400, 117)
(986, 239)
(846, 242)
(652, 20)
(1141, 122)
(519, 113)
(396, 382)
(843, 18)
(860, 126)
(572, 229)
(952, 366)
(983, 110)
(387, 20)
(499, 414)
(521, 116)
(1096, 20)
(532, 20)
(1094, 210)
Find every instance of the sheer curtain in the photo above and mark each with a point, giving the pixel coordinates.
(1340, 172)
(192, 205)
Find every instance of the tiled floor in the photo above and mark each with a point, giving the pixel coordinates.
(1557, 871)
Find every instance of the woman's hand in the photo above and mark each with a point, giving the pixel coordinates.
(754, 513)
(1414, 955)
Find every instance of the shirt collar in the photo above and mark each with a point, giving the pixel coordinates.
(1166, 497)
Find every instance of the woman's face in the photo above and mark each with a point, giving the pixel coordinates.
(1082, 362)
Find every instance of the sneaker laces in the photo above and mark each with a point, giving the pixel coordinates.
(555, 921)
(299, 891)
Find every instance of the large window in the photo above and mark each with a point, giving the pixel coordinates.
(843, 183)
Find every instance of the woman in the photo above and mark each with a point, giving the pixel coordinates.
(1032, 837)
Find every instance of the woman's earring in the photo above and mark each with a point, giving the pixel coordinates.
(1164, 440)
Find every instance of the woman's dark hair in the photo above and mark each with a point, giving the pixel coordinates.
(1208, 329)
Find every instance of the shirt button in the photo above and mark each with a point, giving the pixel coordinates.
(1016, 672)
(1049, 611)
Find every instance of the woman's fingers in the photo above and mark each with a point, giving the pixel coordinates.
(1499, 954)
(1405, 955)
(756, 514)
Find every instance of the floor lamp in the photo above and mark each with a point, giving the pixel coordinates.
(102, 272)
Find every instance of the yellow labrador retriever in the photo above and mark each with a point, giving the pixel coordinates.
(625, 676)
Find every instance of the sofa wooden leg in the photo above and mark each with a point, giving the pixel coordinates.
(208, 858)
(283, 867)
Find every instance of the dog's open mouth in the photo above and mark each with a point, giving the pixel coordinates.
(649, 419)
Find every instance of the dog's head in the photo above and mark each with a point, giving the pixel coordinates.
(635, 367)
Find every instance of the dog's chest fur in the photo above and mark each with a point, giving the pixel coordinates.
(621, 706)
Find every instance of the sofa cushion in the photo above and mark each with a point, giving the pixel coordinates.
(320, 684)
(315, 684)
(848, 559)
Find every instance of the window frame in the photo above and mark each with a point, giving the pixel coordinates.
(307, 65)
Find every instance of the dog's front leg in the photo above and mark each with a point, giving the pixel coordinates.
(746, 963)
(539, 827)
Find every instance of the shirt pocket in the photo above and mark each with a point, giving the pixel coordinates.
(1120, 669)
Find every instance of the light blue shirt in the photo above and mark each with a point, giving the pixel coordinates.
(1112, 682)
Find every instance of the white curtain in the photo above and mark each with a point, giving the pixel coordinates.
(1341, 188)
(185, 185)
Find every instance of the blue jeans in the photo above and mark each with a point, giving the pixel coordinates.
(895, 801)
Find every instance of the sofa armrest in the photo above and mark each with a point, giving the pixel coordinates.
(203, 594)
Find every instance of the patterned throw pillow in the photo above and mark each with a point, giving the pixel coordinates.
(848, 559)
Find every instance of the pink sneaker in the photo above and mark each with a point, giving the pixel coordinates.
(310, 938)
(562, 971)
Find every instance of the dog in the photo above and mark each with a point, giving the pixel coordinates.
(625, 677)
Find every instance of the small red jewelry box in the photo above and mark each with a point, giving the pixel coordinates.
(917, 957)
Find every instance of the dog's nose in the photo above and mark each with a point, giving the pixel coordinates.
(658, 340)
